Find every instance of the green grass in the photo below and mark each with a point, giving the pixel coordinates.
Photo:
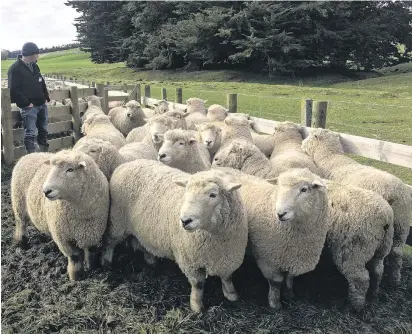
(378, 107)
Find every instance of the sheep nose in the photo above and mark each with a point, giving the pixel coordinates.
(281, 215)
(161, 156)
(186, 222)
(208, 142)
(47, 191)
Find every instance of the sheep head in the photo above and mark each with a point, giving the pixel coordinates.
(210, 134)
(217, 112)
(177, 147)
(299, 192)
(133, 109)
(322, 140)
(204, 194)
(68, 175)
(234, 154)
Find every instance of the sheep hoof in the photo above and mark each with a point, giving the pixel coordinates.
(22, 242)
(232, 297)
(197, 307)
(276, 305)
(76, 275)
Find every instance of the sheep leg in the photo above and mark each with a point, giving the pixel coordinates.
(288, 292)
(90, 257)
(375, 268)
(275, 284)
(358, 280)
(75, 266)
(394, 265)
(109, 245)
(197, 280)
(228, 288)
(20, 232)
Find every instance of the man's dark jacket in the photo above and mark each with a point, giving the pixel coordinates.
(26, 86)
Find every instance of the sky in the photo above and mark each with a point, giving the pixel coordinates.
(44, 22)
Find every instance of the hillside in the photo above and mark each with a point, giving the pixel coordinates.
(376, 107)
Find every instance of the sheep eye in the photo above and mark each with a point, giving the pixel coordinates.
(213, 195)
(181, 143)
(303, 190)
(93, 151)
(70, 170)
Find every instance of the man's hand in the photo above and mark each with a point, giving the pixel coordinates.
(30, 105)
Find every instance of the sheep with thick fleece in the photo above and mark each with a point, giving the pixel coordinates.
(68, 102)
(181, 150)
(216, 112)
(127, 117)
(139, 150)
(157, 125)
(68, 198)
(100, 126)
(246, 157)
(326, 150)
(210, 135)
(236, 127)
(24, 171)
(201, 223)
(94, 106)
(359, 238)
(196, 112)
(114, 104)
(105, 154)
(265, 143)
(287, 225)
(287, 151)
(161, 107)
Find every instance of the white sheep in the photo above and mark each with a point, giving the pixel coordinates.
(216, 112)
(181, 150)
(127, 117)
(246, 157)
(94, 106)
(100, 126)
(114, 104)
(68, 198)
(68, 102)
(202, 227)
(196, 112)
(288, 152)
(210, 135)
(236, 127)
(139, 150)
(287, 225)
(54, 103)
(327, 152)
(105, 154)
(161, 107)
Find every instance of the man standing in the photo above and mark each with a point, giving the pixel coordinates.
(28, 90)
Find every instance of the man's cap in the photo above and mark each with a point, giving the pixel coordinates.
(29, 49)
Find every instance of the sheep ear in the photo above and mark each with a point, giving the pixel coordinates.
(192, 141)
(204, 101)
(181, 183)
(318, 184)
(273, 180)
(233, 186)
(82, 164)
(197, 126)
(82, 129)
(185, 115)
(188, 102)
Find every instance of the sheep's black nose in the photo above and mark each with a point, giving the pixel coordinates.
(186, 222)
(161, 156)
(281, 215)
(47, 191)
(208, 142)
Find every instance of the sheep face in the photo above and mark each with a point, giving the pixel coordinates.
(162, 107)
(133, 110)
(237, 120)
(299, 192)
(93, 100)
(177, 147)
(96, 149)
(233, 155)
(202, 202)
(321, 139)
(68, 172)
(158, 127)
(209, 134)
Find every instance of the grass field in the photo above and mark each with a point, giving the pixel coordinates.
(37, 297)
(377, 107)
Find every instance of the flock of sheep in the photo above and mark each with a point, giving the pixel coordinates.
(201, 186)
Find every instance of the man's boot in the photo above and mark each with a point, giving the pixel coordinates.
(29, 143)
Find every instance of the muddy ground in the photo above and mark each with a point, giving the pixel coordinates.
(37, 297)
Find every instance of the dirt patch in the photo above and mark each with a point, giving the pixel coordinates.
(38, 298)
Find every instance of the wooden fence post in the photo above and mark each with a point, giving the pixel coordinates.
(100, 89)
(138, 93)
(147, 94)
(164, 94)
(105, 104)
(107, 83)
(319, 114)
(124, 88)
(306, 112)
(232, 102)
(75, 113)
(7, 126)
(179, 95)
(93, 84)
